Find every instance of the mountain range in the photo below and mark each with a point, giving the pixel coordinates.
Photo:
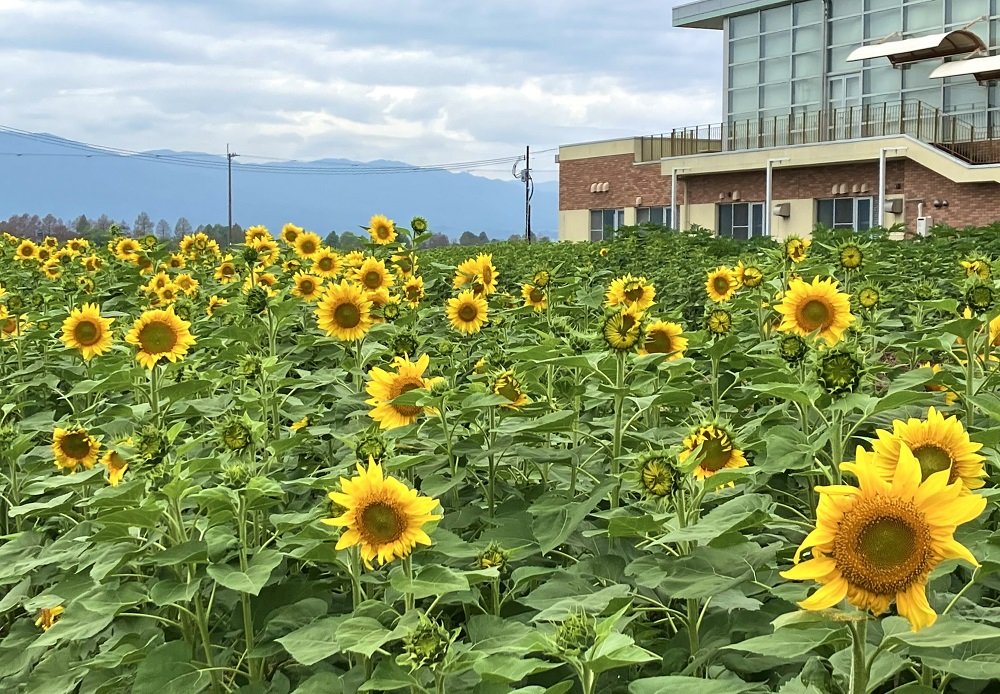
(45, 174)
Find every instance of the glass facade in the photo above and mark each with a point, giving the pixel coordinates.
(604, 223)
(789, 59)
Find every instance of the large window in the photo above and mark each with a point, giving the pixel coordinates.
(845, 213)
(741, 220)
(604, 223)
(653, 215)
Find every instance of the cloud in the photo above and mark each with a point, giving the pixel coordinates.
(412, 81)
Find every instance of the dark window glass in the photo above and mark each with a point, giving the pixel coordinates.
(725, 220)
(824, 213)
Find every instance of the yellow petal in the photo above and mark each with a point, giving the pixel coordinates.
(827, 596)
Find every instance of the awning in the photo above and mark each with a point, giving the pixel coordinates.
(958, 42)
(983, 69)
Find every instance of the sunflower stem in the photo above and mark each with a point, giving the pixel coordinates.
(492, 475)
(969, 379)
(154, 391)
(715, 385)
(859, 668)
(617, 433)
(836, 446)
(408, 600)
(253, 664)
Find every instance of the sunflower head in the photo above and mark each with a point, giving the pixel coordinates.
(73, 448)
(426, 646)
(344, 312)
(840, 372)
(386, 386)
(418, 225)
(980, 297)
(796, 248)
(658, 475)
(850, 256)
(507, 385)
(978, 266)
(749, 275)
(714, 450)
(721, 284)
(256, 300)
(467, 312)
(404, 344)
(235, 434)
(719, 321)
(622, 330)
(382, 230)
(159, 335)
(792, 348)
(661, 337)
(307, 244)
(290, 232)
(307, 287)
(371, 447)
(925, 291)
(815, 308)
(86, 331)
(603, 252)
(629, 291)
(534, 297)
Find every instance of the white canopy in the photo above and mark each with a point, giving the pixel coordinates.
(957, 42)
(983, 69)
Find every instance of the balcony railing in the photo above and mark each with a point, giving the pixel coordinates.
(973, 137)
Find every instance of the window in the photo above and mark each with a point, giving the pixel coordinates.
(741, 220)
(653, 215)
(604, 223)
(845, 213)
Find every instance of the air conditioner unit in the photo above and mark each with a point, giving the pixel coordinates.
(783, 209)
(923, 225)
(894, 206)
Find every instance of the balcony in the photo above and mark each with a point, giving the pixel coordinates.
(973, 138)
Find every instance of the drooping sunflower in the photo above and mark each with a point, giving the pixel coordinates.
(413, 291)
(381, 514)
(385, 386)
(622, 330)
(629, 291)
(74, 448)
(290, 232)
(717, 451)
(373, 275)
(160, 334)
(26, 250)
(344, 312)
(878, 542)
(214, 302)
(748, 275)
(382, 230)
(507, 385)
(534, 297)
(13, 326)
(326, 263)
(808, 308)
(226, 271)
(662, 337)
(796, 248)
(307, 287)
(115, 464)
(85, 330)
(938, 443)
(721, 284)
(467, 312)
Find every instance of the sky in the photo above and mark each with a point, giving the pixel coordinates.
(414, 81)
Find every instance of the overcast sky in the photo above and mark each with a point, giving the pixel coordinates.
(421, 82)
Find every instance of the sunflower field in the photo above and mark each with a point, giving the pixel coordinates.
(667, 463)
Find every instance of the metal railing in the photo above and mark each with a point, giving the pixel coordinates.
(974, 137)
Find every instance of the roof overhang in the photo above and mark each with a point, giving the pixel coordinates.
(710, 14)
(983, 69)
(957, 42)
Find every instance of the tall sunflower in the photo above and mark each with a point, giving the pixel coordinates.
(717, 451)
(938, 443)
(381, 229)
(507, 385)
(290, 232)
(385, 386)
(307, 287)
(226, 271)
(26, 250)
(662, 337)
(373, 275)
(326, 263)
(534, 297)
(629, 291)
(878, 542)
(308, 244)
(467, 312)
(721, 284)
(381, 514)
(808, 308)
(85, 330)
(413, 291)
(344, 312)
(74, 448)
(622, 330)
(160, 334)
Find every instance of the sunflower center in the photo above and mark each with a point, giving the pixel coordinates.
(413, 293)
(308, 247)
(633, 293)
(932, 459)
(76, 445)
(815, 314)
(347, 315)
(536, 295)
(487, 274)
(157, 338)
(406, 387)
(307, 286)
(658, 342)
(715, 455)
(86, 333)
(381, 523)
(720, 284)
(228, 270)
(325, 264)
(883, 545)
(382, 232)
(509, 390)
(468, 313)
(372, 279)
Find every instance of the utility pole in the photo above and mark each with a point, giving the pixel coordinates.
(529, 189)
(229, 161)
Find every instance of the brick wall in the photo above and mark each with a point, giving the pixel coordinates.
(968, 203)
(628, 180)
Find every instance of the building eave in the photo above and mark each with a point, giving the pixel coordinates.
(709, 14)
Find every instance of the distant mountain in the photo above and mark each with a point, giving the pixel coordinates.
(67, 179)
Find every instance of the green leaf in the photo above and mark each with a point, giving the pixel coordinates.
(749, 510)
(253, 579)
(792, 643)
(362, 635)
(430, 580)
(615, 651)
(313, 642)
(946, 632)
(168, 670)
(556, 516)
(510, 668)
(691, 685)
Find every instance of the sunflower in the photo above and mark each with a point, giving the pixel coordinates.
(266, 280)
(187, 284)
(354, 259)
(267, 251)
(47, 616)
(808, 308)
(795, 248)
(307, 287)
(73, 448)
(52, 269)
(413, 291)
(380, 298)
(258, 232)
(385, 386)
(467, 312)
(78, 245)
(721, 284)
(980, 297)
(937, 443)
(325, 262)
(166, 295)
(373, 275)
(878, 542)
(160, 334)
(622, 330)
(92, 263)
(507, 385)
(156, 282)
(631, 291)
(850, 256)
(748, 275)
(404, 262)
(344, 312)
(382, 230)
(13, 326)
(291, 266)
(658, 475)
(176, 261)
(381, 514)
(115, 464)
(215, 302)
(43, 254)
(290, 232)
(127, 249)
(603, 252)
(226, 271)
(978, 266)
(719, 321)
(840, 372)
(534, 296)
(869, 297)
(662, 337)
(717, 451)
(87, 332)
(26, 250)
(478, 272)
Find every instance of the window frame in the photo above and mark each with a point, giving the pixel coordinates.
(606, 232)
(855, 204)
(754, 215)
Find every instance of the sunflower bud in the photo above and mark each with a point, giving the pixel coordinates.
(404, 344)
(236, 475)
(371, 447)
(427, 644)
(869, 297)
(658, 475)
(576, 634)
(839, 372)
(250, 256)
(980, 298)
(418, 225)
(792, 348)
(235, 435)
(719, 321)
(924, 291)
(250, 367)
(850, 256)
(493, 557)
(7, 436)
(150, 444)
(15, 304)
(541, 279)
(256, 300)
(390, 311)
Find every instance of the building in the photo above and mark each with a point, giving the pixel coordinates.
(848, 113)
